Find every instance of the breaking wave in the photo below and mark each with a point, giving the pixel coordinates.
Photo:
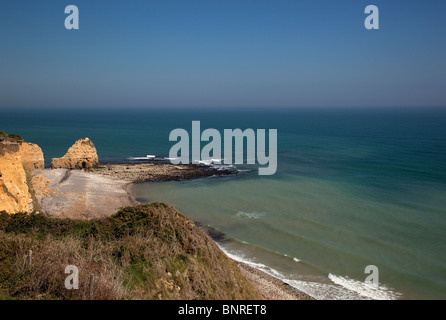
(331, 287)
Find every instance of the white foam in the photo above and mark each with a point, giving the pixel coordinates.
(341, 288)
(323, 291)
(147, 157)
(250, 215)
(239, 256)
(294, 258)
(364, 289)
(223, 167)
(208, 162)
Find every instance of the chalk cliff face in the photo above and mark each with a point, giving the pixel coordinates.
(32, 156)
(14, 190)
(82, 154)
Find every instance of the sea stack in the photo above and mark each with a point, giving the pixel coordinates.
(81, 155)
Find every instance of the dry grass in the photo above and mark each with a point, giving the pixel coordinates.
(144, 252)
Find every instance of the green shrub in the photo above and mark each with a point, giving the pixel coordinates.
(143, 252)
(14, 136)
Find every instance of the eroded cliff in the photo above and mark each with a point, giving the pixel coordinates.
(18, 160)
(15, 195)
(32, 156)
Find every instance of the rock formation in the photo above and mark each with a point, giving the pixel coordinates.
(82, 154)
(18, 160)
(32, 156)
(14, 189)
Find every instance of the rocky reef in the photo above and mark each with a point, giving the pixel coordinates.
(81, 155)
(155, 172)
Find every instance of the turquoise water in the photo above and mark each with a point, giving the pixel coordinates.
(353, 188)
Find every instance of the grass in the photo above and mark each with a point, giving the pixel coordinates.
(143, 252)
(10, 147)
(12, 136)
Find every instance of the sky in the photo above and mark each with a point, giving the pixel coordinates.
(222, 53)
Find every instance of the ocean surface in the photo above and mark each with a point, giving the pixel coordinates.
(353, 188)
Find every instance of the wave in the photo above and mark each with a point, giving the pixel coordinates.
(212, 163)
(250, 215)
(223, 166)
(239, 256)
(294, 258)
(208, 162)
(147, 157)
(364, 289)
(331, 287)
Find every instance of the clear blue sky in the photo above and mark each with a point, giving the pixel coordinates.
(222, 53)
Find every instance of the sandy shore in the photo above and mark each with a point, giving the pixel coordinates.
(269, 287)
(77, 194)
(102, 191)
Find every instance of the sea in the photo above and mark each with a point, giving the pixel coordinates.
(354, 188)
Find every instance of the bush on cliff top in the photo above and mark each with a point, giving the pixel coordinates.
(12, 136)
(144, 252)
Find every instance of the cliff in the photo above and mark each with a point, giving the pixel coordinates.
(18, 160)
(15, 193)
(32, 156)
(81, 155)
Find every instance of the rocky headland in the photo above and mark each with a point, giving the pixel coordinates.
(84, 195)
(77, 186)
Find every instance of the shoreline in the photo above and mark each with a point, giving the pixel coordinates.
(270, 288)
(64, 185)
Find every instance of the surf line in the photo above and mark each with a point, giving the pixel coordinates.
(234, 140)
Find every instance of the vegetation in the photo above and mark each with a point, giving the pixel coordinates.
(144, 252)
(13, 136)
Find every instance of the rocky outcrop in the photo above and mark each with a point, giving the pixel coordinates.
(32, 156)
(81, 155)
(15, 193)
